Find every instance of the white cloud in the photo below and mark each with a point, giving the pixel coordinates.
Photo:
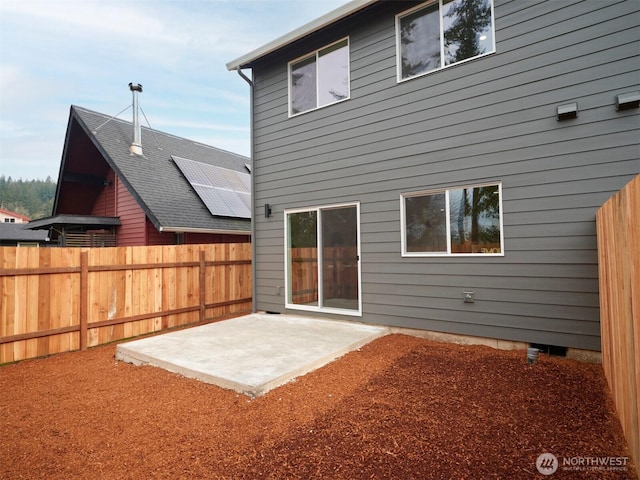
(82, 18)
(56, 53)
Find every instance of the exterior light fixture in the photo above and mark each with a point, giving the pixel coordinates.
(627, 101)
(267, 210)
(565, 112)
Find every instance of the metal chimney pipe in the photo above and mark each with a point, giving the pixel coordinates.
(136, 145)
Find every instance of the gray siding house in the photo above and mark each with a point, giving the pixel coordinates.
(438, 165)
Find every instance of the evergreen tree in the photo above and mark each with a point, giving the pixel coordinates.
(461, 39)
(32, 198)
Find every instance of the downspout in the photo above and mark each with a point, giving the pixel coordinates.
(254, 281)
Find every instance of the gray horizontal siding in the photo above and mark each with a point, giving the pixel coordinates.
(522, 70)
(491, 119)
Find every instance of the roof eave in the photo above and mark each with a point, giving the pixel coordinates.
(202, 230)
(311, 27)
(68, 219)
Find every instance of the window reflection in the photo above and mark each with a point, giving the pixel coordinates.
(303, 258)
(474, 215)
(303, 85)
(467, 27)
(420, 41)
(320, 79)
(333, 74)
(465, 220)
(426, 223)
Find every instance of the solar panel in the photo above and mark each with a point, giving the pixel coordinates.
(225, 192)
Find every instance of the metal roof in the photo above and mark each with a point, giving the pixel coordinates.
(311, 27)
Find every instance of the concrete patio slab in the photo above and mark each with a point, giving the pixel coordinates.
(251, 354)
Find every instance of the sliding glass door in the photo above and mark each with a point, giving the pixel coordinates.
(323, 259)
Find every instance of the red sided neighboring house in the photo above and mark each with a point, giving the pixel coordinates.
(123, 185)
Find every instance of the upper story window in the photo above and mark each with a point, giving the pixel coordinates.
(455, 221)
(319, 79)
(442, 33)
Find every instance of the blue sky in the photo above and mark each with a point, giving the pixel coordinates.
(58, 53)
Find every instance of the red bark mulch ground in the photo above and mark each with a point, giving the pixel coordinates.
(399, 408)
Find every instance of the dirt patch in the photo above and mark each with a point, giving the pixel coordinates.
(399, 408)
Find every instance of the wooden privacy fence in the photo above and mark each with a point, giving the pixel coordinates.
(618, 222)
(60, 299)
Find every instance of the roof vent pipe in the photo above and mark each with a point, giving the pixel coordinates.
(136, 145)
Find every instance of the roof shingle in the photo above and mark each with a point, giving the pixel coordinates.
(154, 179)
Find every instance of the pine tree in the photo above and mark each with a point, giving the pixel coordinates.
(32, 198)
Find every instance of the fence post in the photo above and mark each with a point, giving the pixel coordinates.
(203, 278)
(84, 298)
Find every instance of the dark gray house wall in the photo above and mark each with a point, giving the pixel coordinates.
(492, 119)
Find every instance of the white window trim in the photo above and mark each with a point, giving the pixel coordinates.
(399, 78)
(319, 308)
(316, 54)
(448, 254)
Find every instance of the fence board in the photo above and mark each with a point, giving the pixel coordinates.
(168, 294)
(44, 302)
(128, 291)
(220, 280)
(20, 312)
(123, 303)
(84, 299)
(618, 223)
(7, 287)
(65, 312)
(155, 256)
